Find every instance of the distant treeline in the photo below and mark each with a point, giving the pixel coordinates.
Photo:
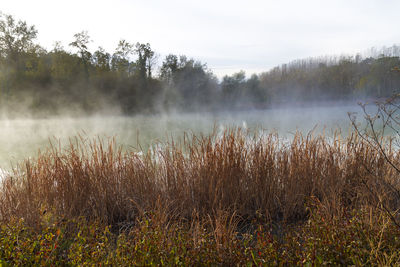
(129, 79)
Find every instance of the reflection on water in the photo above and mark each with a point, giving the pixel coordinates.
(22, 138)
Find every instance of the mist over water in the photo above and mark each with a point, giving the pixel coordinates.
(22, 138)
(296, 96)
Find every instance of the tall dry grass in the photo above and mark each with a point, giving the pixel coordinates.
(242, 176)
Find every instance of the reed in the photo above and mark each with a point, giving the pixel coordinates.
(232, 199)
(246, 176)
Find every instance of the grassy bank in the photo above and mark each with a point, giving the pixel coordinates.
(234, 199)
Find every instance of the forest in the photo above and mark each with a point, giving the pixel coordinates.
(131, 80)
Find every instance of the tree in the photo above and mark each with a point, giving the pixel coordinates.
(169, 68)
(255, 93)
(101, 60)
(63, 66)
(382, 134)
(145, 60)
(16, 39)
(233, 88)
(120, 61)
(81, 42)
(187, 83)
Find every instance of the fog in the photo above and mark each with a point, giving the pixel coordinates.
(23, 138)
(139, 99)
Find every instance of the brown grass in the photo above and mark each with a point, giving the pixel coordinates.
(232, 179)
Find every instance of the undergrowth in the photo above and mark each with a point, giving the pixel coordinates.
(235, 199)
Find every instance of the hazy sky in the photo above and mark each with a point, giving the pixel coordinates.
(252, 35)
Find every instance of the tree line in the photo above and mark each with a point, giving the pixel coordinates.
(130, 78)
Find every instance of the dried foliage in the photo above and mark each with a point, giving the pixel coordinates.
(252, 177)
(231, 199)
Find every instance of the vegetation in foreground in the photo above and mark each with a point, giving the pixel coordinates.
(234, 199)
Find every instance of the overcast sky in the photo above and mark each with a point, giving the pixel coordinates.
(251, 35)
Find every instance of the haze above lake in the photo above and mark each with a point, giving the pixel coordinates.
(22, 138)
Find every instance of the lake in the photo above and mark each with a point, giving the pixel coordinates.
(22, 138)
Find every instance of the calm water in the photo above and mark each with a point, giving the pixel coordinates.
(22, 138)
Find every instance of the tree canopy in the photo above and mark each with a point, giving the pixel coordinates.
(131, 79)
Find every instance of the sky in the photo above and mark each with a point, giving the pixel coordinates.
(229, 36)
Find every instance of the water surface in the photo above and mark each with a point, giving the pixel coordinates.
(22, 138)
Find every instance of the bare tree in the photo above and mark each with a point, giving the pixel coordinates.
(381, 131)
